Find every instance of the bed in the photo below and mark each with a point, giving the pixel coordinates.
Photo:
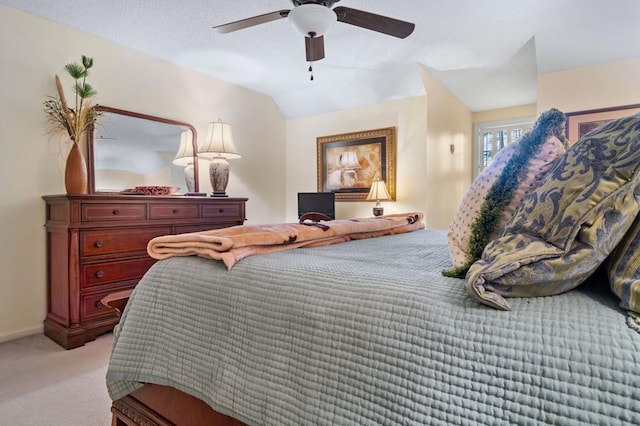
(382, 330)
(365, 332)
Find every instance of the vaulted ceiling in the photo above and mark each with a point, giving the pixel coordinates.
(487, 52)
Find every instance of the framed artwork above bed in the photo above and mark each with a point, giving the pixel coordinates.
(580, 123)
(349, 163)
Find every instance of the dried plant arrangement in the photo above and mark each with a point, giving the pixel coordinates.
(77, 120)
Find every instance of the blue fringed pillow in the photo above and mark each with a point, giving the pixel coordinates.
(494, 196)
(568, 226)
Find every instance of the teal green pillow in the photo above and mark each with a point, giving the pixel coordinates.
(570, 223)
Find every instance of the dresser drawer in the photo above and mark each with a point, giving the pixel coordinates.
(222, 210)
(109, 272)
(107, 211)
(91, 307)
(173, 211)
(93, 243)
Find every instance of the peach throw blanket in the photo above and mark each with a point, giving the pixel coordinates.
(235, 243)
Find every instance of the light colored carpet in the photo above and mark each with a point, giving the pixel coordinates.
(43, 384)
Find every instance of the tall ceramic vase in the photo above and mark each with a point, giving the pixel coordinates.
(75, 172)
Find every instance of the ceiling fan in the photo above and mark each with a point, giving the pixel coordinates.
(314, 17)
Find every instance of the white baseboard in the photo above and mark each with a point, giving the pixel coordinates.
(22, 333)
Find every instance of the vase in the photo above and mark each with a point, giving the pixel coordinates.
(75, 172)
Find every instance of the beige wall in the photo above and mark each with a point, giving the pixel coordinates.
(505, 114)
(604, 85)
(33, 51)
(430, 178)
(407, 115)
(449, 128)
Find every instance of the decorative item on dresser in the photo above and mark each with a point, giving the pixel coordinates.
(73, 122)
(75, 171)
(96, 245)
(219, 147)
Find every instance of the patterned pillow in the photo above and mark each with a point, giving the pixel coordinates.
(499, 190)
(566, 228)
(623, 267)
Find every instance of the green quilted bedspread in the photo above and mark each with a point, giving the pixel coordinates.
(370, 332)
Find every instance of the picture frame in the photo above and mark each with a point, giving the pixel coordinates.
(580, 123)
(349, 162)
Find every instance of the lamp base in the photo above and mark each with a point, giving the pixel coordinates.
(378, 211)
(219, 176)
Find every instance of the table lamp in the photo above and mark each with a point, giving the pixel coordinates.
(219, 147)
(379, 193)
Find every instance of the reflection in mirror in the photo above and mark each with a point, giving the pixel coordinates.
(128, 149)
(185, 158)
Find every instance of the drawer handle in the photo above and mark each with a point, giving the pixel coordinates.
(176, 210)
(99, 304)
(221, 211)
(100, 274)
(116, 211)
(99, 244)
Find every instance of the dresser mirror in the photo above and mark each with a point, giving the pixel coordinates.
(128, 149)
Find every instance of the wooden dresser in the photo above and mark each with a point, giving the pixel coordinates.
(97, 245)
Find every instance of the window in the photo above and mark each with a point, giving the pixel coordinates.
(492, 137)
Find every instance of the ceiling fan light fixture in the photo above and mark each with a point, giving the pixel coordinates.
(312, 20)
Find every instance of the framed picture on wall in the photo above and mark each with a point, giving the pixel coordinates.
(580, 123)
(348, 163)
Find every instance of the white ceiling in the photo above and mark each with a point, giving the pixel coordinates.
(487, 52)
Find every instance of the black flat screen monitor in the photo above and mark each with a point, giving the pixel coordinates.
(320, 202)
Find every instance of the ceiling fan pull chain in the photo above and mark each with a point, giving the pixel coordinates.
(311, 71)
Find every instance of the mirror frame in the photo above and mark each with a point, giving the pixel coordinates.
(91, 141)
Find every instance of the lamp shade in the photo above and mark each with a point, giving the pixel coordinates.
(184, 155)
(219, 142)
(378, 191)
(312, 19)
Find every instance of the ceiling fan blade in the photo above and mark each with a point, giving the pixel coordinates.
(315, 48)
(373, 22)
(250, 22)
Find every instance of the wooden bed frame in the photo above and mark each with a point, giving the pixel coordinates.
(156, 405)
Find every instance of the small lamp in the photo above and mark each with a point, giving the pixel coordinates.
(219, 147)
(184, 157)
(379, 193)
